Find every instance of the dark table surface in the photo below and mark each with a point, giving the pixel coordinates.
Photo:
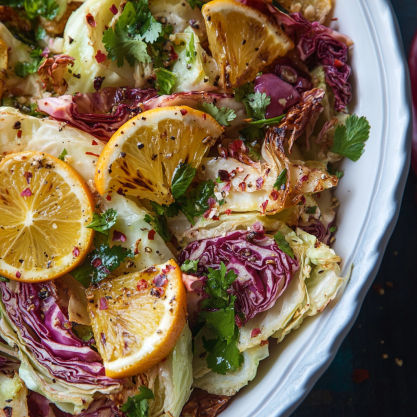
(374, 374)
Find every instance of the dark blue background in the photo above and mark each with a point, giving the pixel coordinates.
(386, 324)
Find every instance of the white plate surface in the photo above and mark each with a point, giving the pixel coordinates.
(370, 195)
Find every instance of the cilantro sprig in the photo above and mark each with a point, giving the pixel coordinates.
(138, 406)
(34, 8)
(23, 69)
(222, 116)
(103, 222)
(283, 244)
(349, 139)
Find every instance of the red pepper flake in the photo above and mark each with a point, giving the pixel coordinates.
(97, 262)
(163, 360)
(167, 269)
(303, 199)
(18, 274)
(151, 234)
(19, 134)
(113, 9)
(259, 183)
(183, 112)
(263, 206)
(360, 375)
(108, 197)
(28, 176)
(120, 191)
(76, 252)
(100, 57)
(215, 218)
(93, 154)
(142, 285)
(338, 64)
(264, 342)
(204, 116)
(228, 212)
(274, 195)
(94, 143)
(255, 332)
(160, 280)
(26, 192)
(304, 178)
(118, 236)
(103, 304)
(242, 186)
(91, 21)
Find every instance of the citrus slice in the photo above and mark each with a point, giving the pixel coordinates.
(44, 208)
(242, 40)
(137, 318)
(141, 157)
(312, 10)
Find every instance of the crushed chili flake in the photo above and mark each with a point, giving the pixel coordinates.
(28, 176)
(215, 218)
(26, 192)
(18, 274)
(97, 262)
(113, 9)
(224, 175)
(183, 112)
(151, 234)
(264, 342)
(108, 197)
(100, 57)
(93, 154)
(259, 183)
(98, 81)
(103, 304)
(204, 116)
(120, 191)
(142, 285)
(76, 251)
(118, 236)
(19, 134)
(304, 178)
(160, 280)
(263, 206)
(255, 332)
(338, 63)
(167, 269)
(360, 375)
(242, 186)
(274, 195)
(90, 20)
(94, 142)
(228, 212)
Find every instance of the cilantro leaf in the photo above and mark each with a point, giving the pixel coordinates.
(23, 69)
(63, 154)
(165, 81)
(159, 222)
(104, 221)
(349, 139)
(283, 244)
(339, 174)
(184, 175)
(223, 116)
(189, 266)
(242, 91)
(256, 104)
(281, 179)
(223, 356)
(4, 279)
(311, 210)
(45, 8)
(100, 262)
(172, 210)
(138, 406)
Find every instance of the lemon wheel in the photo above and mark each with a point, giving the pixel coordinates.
(242, 40)
(141, 157)
(44, 208)
(137, 318)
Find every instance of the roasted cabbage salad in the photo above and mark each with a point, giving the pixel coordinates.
(167, 170)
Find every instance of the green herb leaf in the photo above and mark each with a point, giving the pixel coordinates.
(138, 406)
(349, 140)
(189, 266)
(103, 222)
(333, 229)
(190, 52)
(183, 177)
(23, 69)
(223, 116)
(339, 174)
(197, 3)
(62, 156)
(311, 210)
(224, 356)
(242, 92)
(267, 122)
(283, 244)
(219, 281)
(100, 262)
(45, 8)
(281, 179)
(159, 222)
(83, 332)
(165, 81)
(4, 279)
(256, 104)
(172, 210)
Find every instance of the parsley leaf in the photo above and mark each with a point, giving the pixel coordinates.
(349, 140)
(103, 222)
(184, 175)
(311, 210)
(62, 156)
(165, 81)
(189, 266)
(283, 244)
(281, 179)
(223, 356)
(138, 406)
(100, 262)
(45, 8)
(159, 222)
(23, 69)
(223, 116)
(256, 105)
(219, 281)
